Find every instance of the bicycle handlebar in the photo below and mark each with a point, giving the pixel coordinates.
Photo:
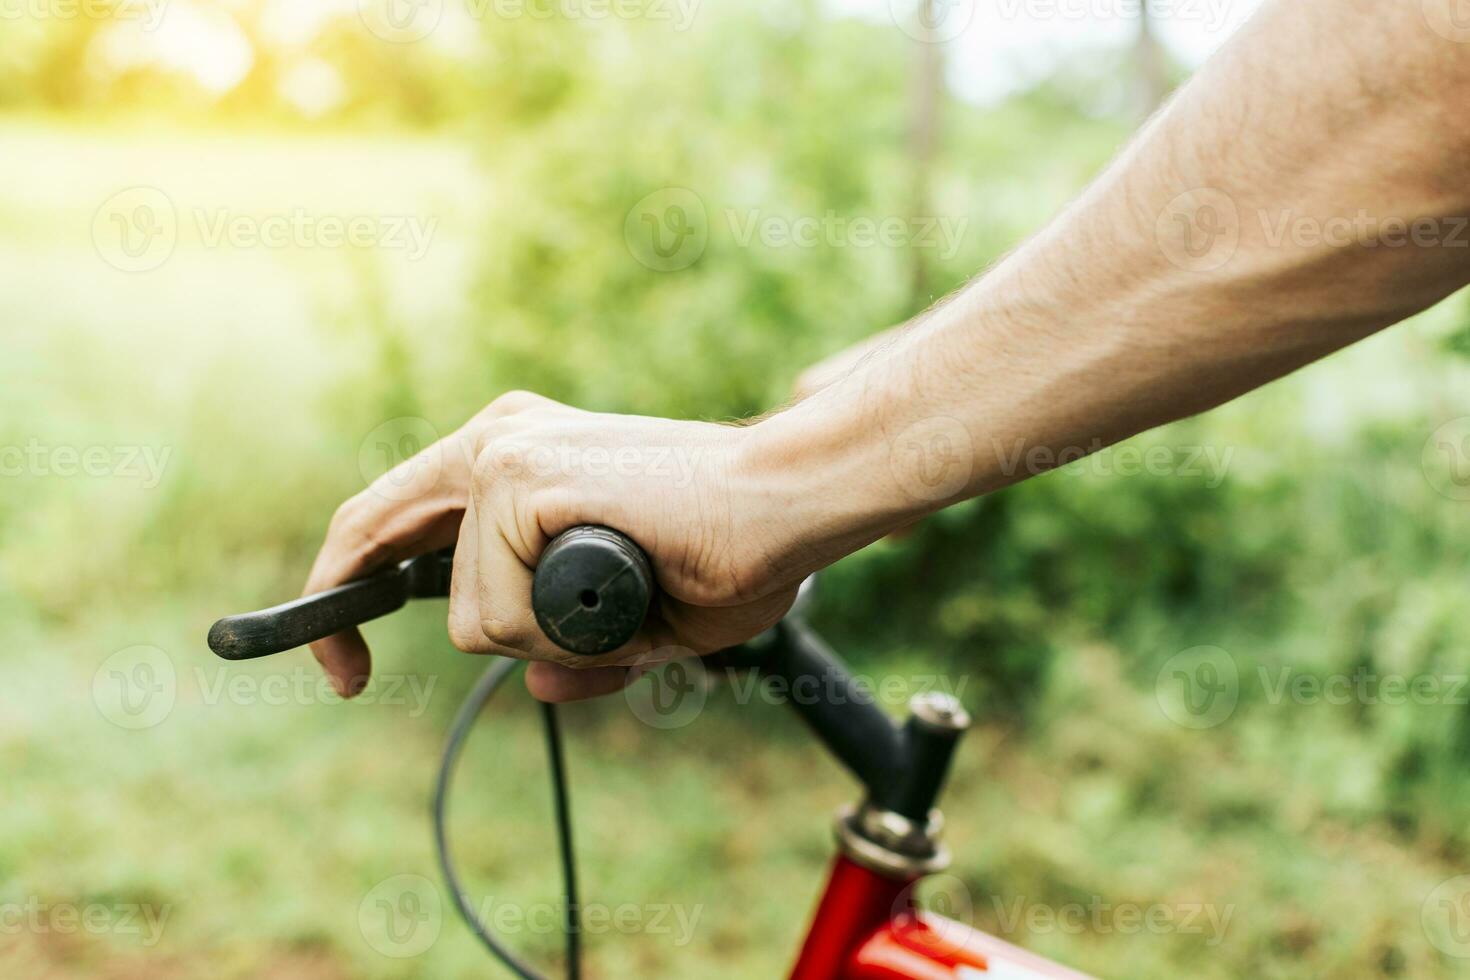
(590, 594)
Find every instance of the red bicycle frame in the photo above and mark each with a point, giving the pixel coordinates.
(867, 928)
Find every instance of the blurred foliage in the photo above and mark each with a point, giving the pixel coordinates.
(1319, 545)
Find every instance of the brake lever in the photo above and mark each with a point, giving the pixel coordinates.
(314, 617)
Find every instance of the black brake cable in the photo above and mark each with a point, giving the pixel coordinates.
(483, 690)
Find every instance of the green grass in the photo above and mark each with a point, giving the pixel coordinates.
(263, 828)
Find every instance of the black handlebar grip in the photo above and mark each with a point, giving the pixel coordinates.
(591, 590)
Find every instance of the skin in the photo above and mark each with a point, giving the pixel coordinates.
(1301, 192)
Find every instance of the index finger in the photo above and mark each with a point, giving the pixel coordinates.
(411, 509)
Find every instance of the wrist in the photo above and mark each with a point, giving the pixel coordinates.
(833, 474)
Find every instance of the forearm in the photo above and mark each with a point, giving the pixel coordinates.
(1310, 160)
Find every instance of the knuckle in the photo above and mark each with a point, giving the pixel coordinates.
(464, 628)
(499, 457)
(513, 402)
(353, 531)
(504, 633)
(465, 638)
(343, 517)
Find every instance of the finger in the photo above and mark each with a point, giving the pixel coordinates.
(345, 656)
(706, 629)
(371, 530)
(346, 661)
(555, 683)
(503, 595)
(464, 604)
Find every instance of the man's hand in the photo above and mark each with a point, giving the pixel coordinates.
(1259, 222)
(525, 469)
